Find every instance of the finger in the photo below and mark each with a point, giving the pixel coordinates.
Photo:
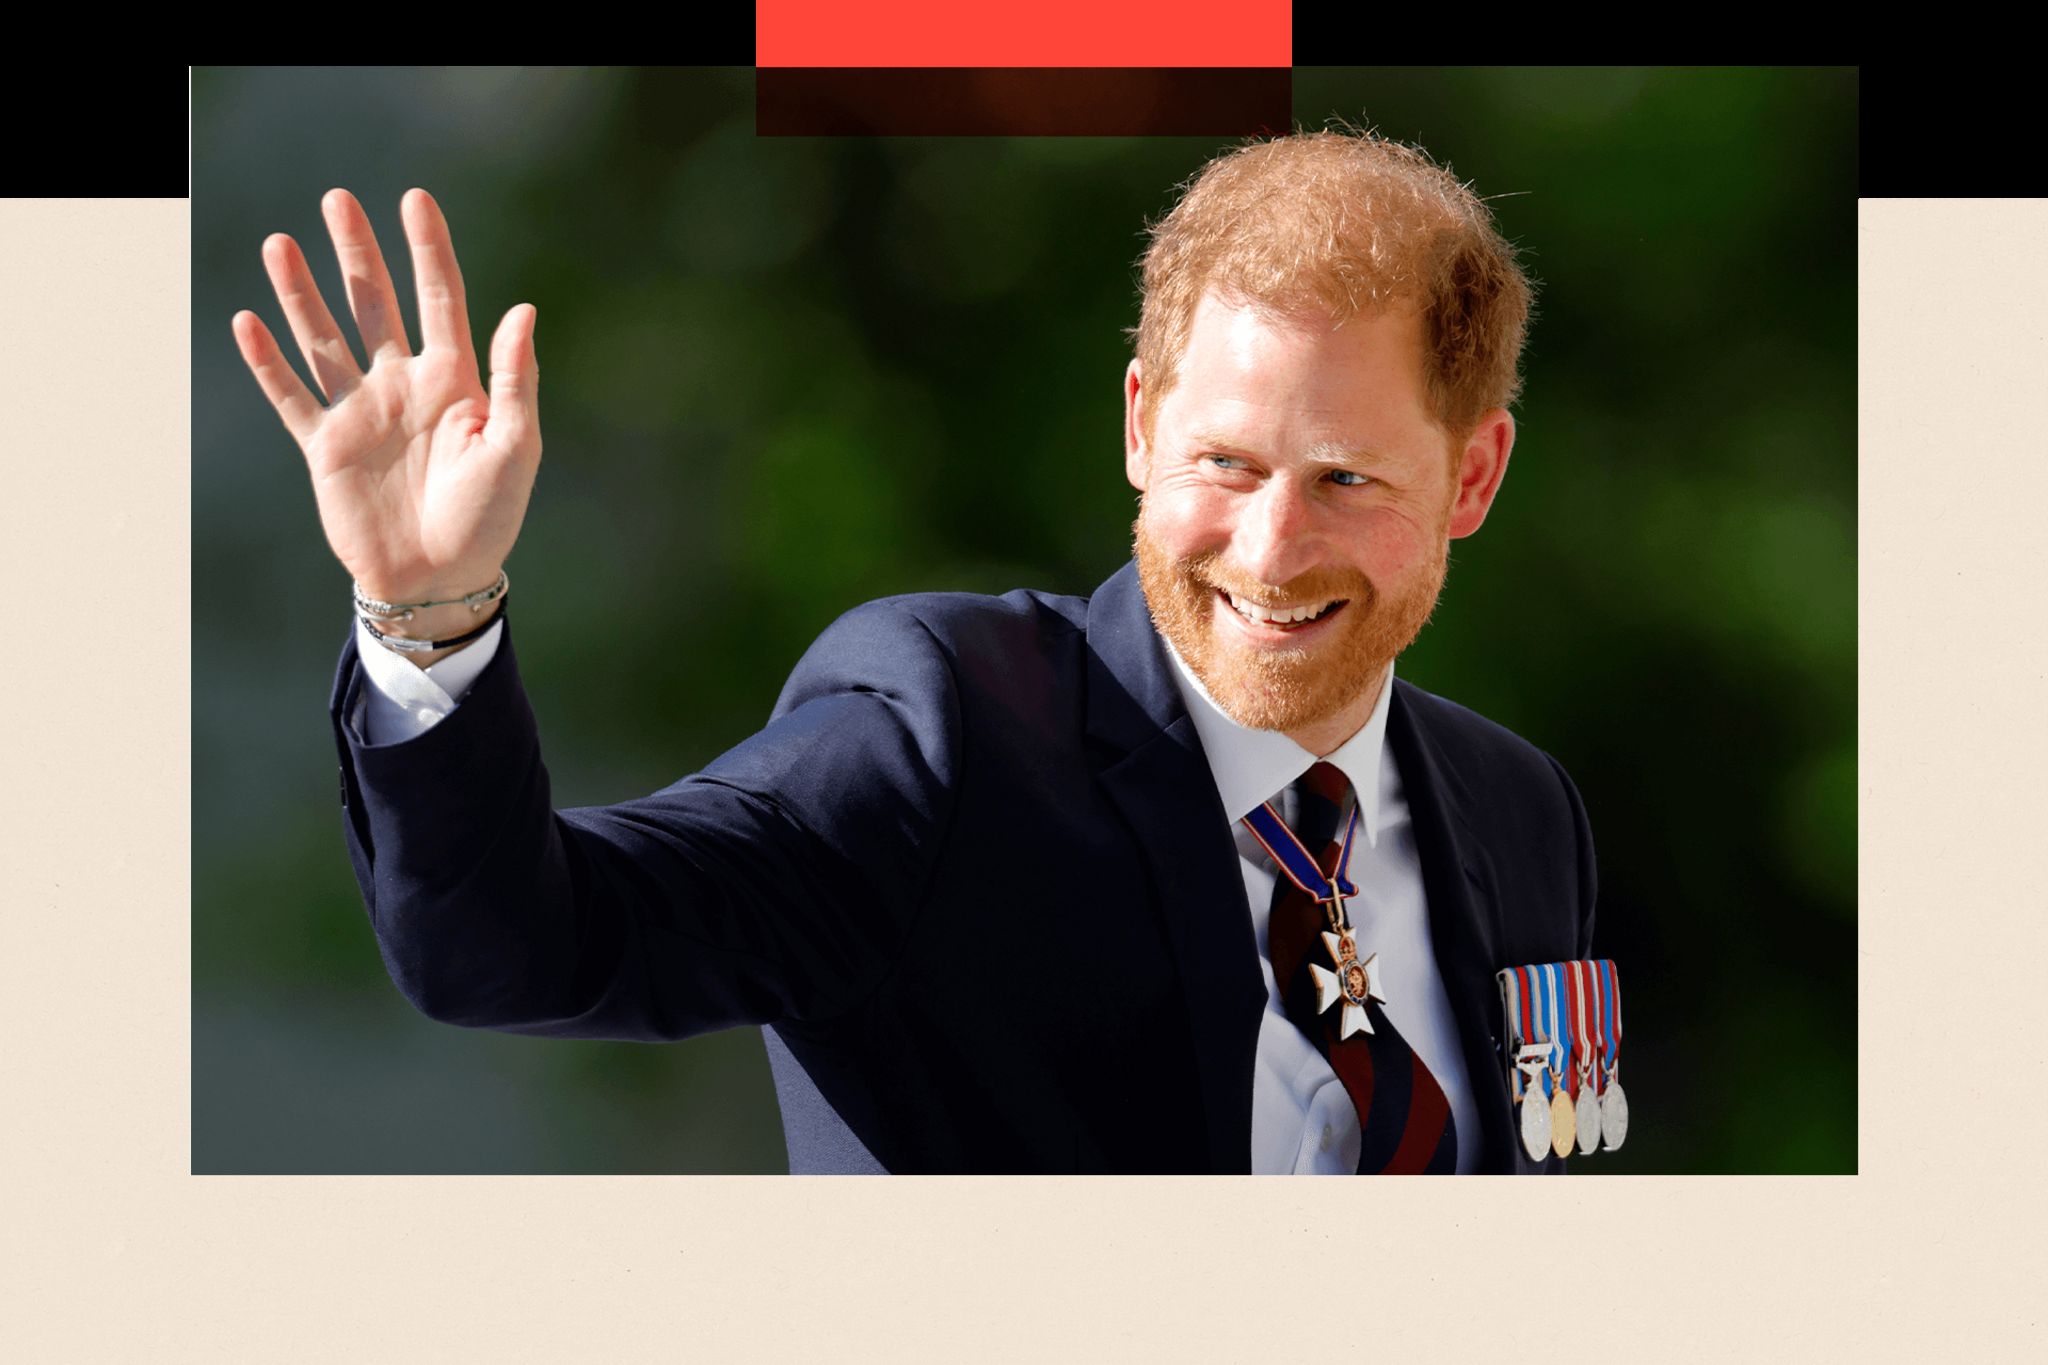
(320, 341)
(370, 295)
(515, 381)
(280, 383)
(444, 315)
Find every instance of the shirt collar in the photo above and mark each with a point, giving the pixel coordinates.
(1251, 766)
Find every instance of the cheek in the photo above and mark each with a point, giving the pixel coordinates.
(1387, 546)
(1188, 519)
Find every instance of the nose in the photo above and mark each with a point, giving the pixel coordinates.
(1275, 536)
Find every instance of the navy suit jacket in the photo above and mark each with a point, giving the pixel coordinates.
(973, 879)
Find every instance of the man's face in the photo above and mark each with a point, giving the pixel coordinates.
(1295, 467)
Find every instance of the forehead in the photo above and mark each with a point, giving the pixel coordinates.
(1245, 362)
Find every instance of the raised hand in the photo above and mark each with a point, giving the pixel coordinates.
(422, 479)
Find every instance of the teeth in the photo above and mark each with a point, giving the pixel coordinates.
(1284, 617)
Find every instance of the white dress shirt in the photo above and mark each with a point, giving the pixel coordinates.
(1303, 1121)
(405, 700)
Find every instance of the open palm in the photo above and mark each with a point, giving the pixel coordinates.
(422, 479)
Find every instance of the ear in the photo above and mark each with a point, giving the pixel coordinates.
(1137, 451)
(1481, 466)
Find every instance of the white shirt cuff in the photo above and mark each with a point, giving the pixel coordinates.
(403, 700)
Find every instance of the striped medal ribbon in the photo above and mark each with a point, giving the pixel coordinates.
(1564, 1124)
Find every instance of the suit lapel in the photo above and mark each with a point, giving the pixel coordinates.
(1464, 914)
(1158, 778)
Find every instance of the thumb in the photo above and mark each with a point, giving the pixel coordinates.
(514, 422)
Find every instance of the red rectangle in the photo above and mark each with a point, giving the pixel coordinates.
(1182, 33)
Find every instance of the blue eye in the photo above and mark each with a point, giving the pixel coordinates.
(1223, 461)
(1347, 478)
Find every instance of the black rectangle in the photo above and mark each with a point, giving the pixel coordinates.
(1021, 101)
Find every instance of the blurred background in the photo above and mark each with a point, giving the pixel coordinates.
(781, 377)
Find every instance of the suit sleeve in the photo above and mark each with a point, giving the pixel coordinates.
(1588, 870)
(776, 884)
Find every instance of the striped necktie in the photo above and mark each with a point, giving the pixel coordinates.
(1404, 1120)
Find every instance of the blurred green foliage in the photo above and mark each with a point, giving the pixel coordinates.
(780, 377)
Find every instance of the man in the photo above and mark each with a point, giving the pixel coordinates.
(1008, 881)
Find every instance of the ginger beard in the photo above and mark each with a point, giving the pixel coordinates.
(1281, 688)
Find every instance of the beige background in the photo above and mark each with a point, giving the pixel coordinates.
(111, 1250)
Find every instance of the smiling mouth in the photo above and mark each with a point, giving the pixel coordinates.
(1286, 618)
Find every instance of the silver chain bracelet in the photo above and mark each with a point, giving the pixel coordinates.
(402, 611)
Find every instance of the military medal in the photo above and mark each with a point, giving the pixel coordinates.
(1531, 1077)
(1614, 1110)
(1348, 978)
(1564, 1046)
(1535, 1115)
(1584, 1044)
(1613, 1104)
(1564, 1123)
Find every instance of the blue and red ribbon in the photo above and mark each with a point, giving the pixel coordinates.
(1296, 861)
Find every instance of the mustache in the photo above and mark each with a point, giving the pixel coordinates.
(1317, 585)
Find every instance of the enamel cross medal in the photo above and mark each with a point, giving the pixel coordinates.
(1353, 980)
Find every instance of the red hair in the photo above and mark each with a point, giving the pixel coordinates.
(1335, 223)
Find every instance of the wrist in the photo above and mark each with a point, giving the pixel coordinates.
(432, 623)
(380, 602)
(428, 613)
